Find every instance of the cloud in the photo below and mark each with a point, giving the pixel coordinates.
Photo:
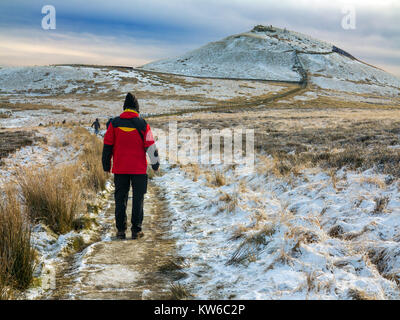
(33, 48)
(157, 27)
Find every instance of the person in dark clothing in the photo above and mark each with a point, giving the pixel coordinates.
(96, 126)
(126, 142)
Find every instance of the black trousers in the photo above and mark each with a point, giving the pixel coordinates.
(122, 185)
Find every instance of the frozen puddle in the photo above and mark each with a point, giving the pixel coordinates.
(127, 269)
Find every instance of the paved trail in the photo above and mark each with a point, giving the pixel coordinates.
(127, 269)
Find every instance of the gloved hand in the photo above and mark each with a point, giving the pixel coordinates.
(155, 166)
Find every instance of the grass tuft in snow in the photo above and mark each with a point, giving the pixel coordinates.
(178, 292)
(51, 196)
(230, 201)
(95, 177)
(251, 246)
(173, 268)
(16, 253)
(380, 204)
(357, 294)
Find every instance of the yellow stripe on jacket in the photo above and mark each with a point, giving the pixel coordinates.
(127, 129)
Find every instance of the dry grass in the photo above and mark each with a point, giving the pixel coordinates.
(31, 106)
(193, 169)
(380, 204)
(178, 292)
(374, 181)
(90, 169)
(333, 148)
(55, 196)
(11, 141)
(51, 196)
(16, 253)
(94, 177)
(357, 294)
(251, 246)
(173, 267)
(216, 178)
(231, 201)
(323, 132)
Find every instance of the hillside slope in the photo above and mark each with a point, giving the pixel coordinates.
(269, 53)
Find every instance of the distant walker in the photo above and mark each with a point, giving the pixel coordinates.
(96, 126)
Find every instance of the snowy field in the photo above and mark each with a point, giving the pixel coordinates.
(38, 95)
(307, 239)
(317, 218)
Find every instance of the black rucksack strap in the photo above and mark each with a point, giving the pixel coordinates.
(135, 124)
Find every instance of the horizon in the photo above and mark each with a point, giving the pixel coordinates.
(133, 33)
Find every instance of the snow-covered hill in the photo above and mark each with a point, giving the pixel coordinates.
(269, 53)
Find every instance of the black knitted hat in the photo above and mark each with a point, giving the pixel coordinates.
(131, 102)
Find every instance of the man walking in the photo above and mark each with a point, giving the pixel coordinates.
(126, 141)
(96, 126)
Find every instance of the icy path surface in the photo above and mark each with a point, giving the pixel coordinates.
(112, 269)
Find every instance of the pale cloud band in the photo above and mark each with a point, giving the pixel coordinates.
(127, 32)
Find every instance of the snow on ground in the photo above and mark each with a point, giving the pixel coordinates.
(40, 154)
(38, 81)
(271, 55)
(351, 87)
(90, 92)
(342, 68)
(243, 56)
(293, 252)
(50, 248)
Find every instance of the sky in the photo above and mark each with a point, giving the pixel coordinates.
(135, 32)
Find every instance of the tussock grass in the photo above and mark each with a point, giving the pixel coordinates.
(5, 115)
(336, 231)
(173, 267)
(178, 292)
(11, 141)
(363, 145)
(5, 290)
(51, 196)
(239, 232)
(303, 235)
(55, 196)
(374, 181)
(357, 294)
(380, 204)
(32, 106)
(251, 246)
(83, 223)
(220, 179)
(16, 253)
(216, 178)
(77, 244)
(193, 169)
(231, 201)
(325, 132)
(94, 177)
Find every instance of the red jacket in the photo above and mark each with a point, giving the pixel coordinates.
(125, 145)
